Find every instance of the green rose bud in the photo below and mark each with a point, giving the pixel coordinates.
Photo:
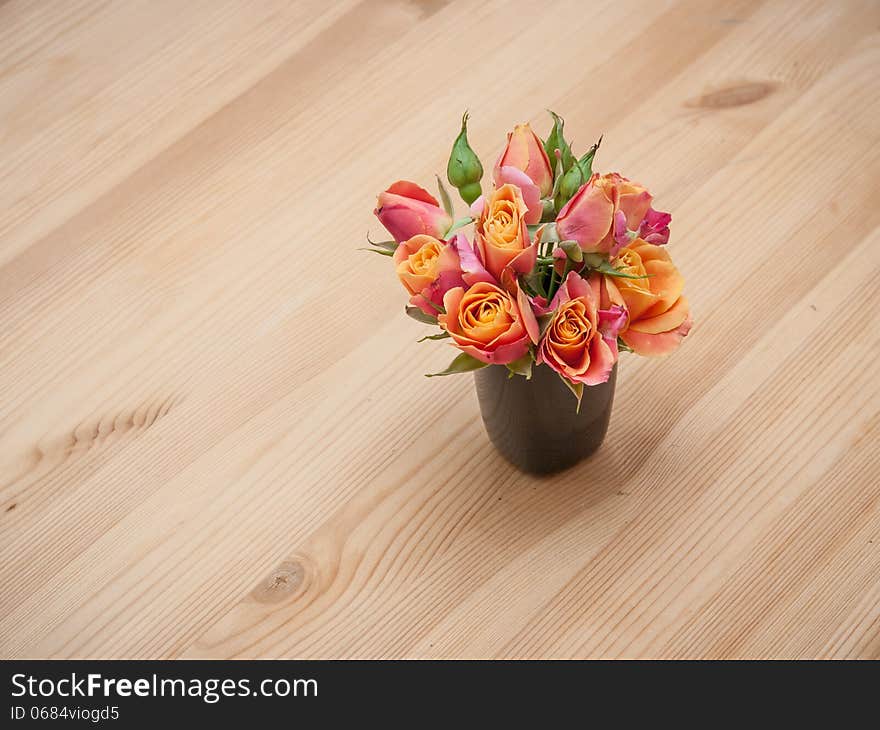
(464, 170)
(556, 141)
(586, 162)
(569, 185)
(469, 193)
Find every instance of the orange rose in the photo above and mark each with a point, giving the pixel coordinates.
(488, 323)
(579, 342)
(659, 316)
(501, 234)
(427, 268)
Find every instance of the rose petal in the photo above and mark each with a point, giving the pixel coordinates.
(410, 190)
(477, 207)
(472, 268)
(659, 344)
(667, 321)
(528, 316)
(621, 236)
(530, 192)
(587, 217)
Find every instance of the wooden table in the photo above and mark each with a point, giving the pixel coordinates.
(215, 436)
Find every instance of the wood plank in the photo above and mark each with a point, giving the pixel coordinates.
(192, 465)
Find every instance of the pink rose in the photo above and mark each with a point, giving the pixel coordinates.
(602, 211)
(525, 152)
(407, 210)
(580, 341)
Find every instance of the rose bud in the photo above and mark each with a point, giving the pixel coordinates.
(464, 170)
(525, 152)
(408, 210)
(569, 184)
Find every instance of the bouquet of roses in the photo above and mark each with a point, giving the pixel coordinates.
(565, 267)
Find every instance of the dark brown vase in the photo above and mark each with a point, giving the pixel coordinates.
(533, 423)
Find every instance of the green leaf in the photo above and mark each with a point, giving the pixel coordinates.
(432, 305)
(556, 140)
(544, 321)
(384, 245)
(378, 250)
(558, 174)
(606, 267)
(464, 363)
(441, 336)
(460, 223)
(598, 262)
(418, 315)
(577, 390)
(444, 198)
(586, 162)
(534, 282)
(553, 285)
(622, 346)
(522, 366)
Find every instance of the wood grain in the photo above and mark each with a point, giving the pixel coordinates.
(215, 436)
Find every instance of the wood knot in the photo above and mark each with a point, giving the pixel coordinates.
(736, 94)
(289, 579)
